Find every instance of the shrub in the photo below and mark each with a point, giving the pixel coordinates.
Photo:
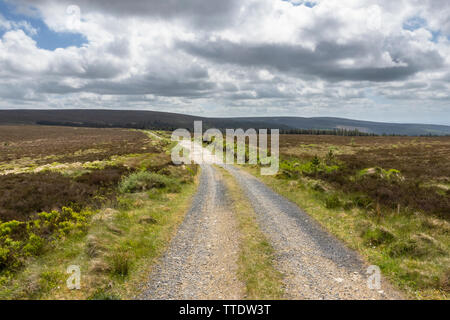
(315, 161)
(183, 173)
(120, 264)
(8, 227)
(330, 158)
(332, 201)
(142, 181)
(93, 246)
(4, 255)
(124, 203)
(62, 221)
(109, 176)
(50, 279)
(19, 240)
(418, 246)
(377, 236)
(348, 205)
(316, 186)
(362, 201)
(102, 294)
(34, 245)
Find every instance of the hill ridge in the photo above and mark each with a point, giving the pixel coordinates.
(170, 120)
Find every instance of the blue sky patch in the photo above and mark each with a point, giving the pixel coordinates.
(309, 4)
(414, 23)
(45, 38)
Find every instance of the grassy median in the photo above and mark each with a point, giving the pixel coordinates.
(256, 258)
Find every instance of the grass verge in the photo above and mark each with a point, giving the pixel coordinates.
(113, 247)
(410, 249)
(115, 255)
(256, 259)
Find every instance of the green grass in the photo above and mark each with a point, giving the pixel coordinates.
(144, 180)
(115, 247)
(256, 258)
(115, 254)
(411, 248)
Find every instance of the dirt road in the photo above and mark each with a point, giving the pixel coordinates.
(315, 264)
(201, 262)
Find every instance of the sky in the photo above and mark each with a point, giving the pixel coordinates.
(378, 60)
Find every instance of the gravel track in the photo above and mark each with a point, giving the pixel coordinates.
(201, 262)
(316, 265)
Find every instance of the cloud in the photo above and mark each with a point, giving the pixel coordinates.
(324, 61)
(200, 13)
(22, 58)
(14, 25)
(361, 59)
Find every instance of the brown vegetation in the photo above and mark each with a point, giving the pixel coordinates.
(24, 195)
(387, 197)
(421, 168)
(46, 209)
(65, 144)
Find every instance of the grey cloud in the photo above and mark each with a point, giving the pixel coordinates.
(415, 85)
(95, 69)
(20, 93)
(242, 96)
(120, 47)
(322, 62)
(170, 88)
(211, 13)
(259, 92)
(141, 85)
(100, 70)
(228, 87)
(440, 11)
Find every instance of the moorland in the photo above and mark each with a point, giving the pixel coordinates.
(387, 197)
(110, 199)
(106, 200)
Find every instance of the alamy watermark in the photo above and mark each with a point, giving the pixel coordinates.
(74, 280)
(73, 21)
(374, 279)
(233, 149)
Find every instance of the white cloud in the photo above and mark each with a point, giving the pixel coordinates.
(13, 25)
(236, 57)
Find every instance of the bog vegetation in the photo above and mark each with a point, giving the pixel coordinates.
(388, 197)
(104, 199)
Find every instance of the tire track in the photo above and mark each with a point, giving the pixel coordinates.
(201, 262)
(316, 265)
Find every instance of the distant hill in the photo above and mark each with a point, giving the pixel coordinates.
(362, 126)
(170, 121)
(124, 119)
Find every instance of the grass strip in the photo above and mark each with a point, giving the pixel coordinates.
(410, 249)
(256, 259)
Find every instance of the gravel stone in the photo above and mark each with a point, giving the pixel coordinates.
(201, 262)
(316, 265)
